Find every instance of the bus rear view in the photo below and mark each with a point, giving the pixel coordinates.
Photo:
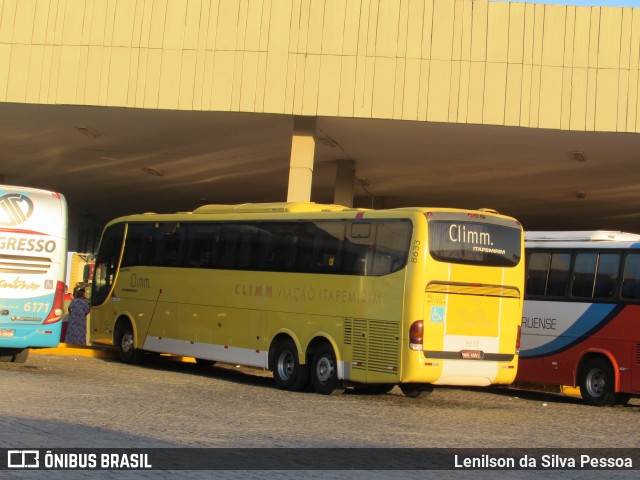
(33, 248)
(471, 284)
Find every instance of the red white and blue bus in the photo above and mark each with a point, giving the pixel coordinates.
(581, 319)
(33, 255)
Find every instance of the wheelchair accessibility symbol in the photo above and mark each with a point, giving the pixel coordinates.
(437, 314)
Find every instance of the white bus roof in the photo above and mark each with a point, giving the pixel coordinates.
(581, 236)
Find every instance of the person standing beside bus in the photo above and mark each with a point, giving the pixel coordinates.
(77, 326)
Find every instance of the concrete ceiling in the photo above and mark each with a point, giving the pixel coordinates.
(103, 159)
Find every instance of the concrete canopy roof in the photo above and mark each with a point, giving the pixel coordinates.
(136, 106)
(115, 161)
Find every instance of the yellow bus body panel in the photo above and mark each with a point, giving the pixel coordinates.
(234, 315)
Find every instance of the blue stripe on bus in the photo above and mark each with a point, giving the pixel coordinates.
(593, 319)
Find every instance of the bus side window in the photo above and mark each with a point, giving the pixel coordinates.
(607, 275)
(584, 275)
(138, 245)
(202, 245)
(230, 237)
(392, 247)
(262, 247)
(559, 275)
(280, 253)
(631, 277)
(537, 270)
(401, 244)
(167, 244)
(326, 254)
(359, 248)
(248, 254)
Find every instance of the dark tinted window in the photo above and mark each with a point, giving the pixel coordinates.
(607, 275)
(202, 245)
(338, 246)
(591, 275)
(537, 271)
(548, 274)
(320, 247)
(169, 245)
(559, 275)
(475, 243)
(278, 245)
(106, 263)
(138, 247)
(584, 275)
(631, 277)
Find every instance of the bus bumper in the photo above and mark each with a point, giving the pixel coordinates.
(25, 336)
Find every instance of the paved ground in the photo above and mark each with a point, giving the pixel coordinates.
(55, 401)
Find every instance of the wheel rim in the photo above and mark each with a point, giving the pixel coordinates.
(596, 382)
(286, 365)
(325, 369)
(126, 344)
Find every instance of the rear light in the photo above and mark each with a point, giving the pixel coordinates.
(416, 332)
(58, 305)
(518, 338)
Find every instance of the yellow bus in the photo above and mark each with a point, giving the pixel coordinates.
(335, 296)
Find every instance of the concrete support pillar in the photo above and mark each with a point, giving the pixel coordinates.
(345, 176)
(301, 163)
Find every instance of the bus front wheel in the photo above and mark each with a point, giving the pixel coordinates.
(416, 390)
(597, 383)
(324, 371)
(287, 371)
(126, 345)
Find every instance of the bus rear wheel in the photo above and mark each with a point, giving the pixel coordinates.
(287, 371)
(205, 363)
(324, 371)
(597, 383)
(126, 345)
(21, 356)
(416, 390)
(374, 389)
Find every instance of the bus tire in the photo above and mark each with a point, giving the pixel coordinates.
(324, 371)
(287, 371)
(6, 358)
(125, 343)
(416, 390)
(204, 363)
(374, 389)
(597, 383)
(621, 399)
(21, 356)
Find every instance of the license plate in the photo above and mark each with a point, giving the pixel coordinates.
(6, 333)
(472, 354)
